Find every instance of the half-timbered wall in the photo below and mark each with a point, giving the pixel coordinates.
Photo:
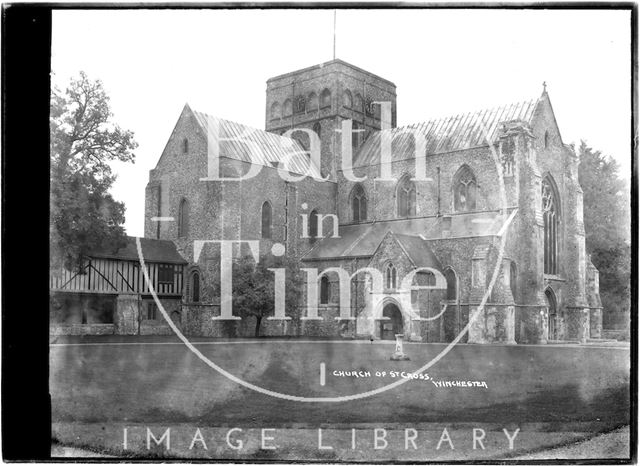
(117, 276)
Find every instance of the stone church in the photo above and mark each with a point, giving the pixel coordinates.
(472, 221)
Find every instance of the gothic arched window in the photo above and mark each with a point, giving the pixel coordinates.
(551, 216)
(359, 103)
(347, 100)
(287, 108)
(406, 198)
(464, 190)
(391, 275)
(183, 218)
(325, 98)
(313, 225)
(195, 287)
(266, 220)
(312, 102)
(324, 290)
(358, 204)
(452, 284)
(275, 110)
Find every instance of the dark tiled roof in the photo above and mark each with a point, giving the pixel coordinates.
(447, 134)
(418, 251)
(362, 240)
(153, 250)
(268, 147)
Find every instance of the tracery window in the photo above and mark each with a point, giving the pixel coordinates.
(551, 216)
(391, 275)
(464, 190)
(358, 204)
(406, 197)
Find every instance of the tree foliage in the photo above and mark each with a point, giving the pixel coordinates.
(607, 226)
(253, 287)
(83, 142)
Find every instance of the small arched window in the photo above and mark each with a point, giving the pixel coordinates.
(391, 275)
(195, 287)
(287, 108)
(347, 100)
(551, 217)
(312, 102)
(464, 190)
(266, 220)
(359, 103)
(275, 110)
(325, 98)
(546, 139)
(324, 290)
(183, 218)
(313, 225)
(358, 204)
(185, 146)
(452, 285)
(406, 198)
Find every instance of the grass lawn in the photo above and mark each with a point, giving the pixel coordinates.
(166, 383)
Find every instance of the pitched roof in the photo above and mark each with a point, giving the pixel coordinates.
(452, 133)
(418, 251)
(153, 250)
(260, 147)
(362, 239)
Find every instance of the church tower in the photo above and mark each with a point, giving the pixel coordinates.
(320, 97)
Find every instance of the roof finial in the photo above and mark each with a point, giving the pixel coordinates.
(544, 87)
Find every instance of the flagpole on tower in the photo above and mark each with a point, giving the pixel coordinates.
(334, 33)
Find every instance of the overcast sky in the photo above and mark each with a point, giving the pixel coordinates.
(442, 61)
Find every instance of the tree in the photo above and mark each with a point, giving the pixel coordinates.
(83, 141)
(607, 226)
(253, 287)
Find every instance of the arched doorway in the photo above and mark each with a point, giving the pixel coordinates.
(553, 310)
(389, 328)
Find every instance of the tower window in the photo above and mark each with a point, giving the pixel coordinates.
(185, 146)
(325, 98)
(275, 111)
(312, 102)
(546, 139)
(347, 100)
(266, 220)
(287, 108)
(324, 290)
(464, 190)
(550, 215)
(513, 279)
(406, 198)
(358, 204)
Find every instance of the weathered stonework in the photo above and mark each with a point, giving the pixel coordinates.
(487, 246)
